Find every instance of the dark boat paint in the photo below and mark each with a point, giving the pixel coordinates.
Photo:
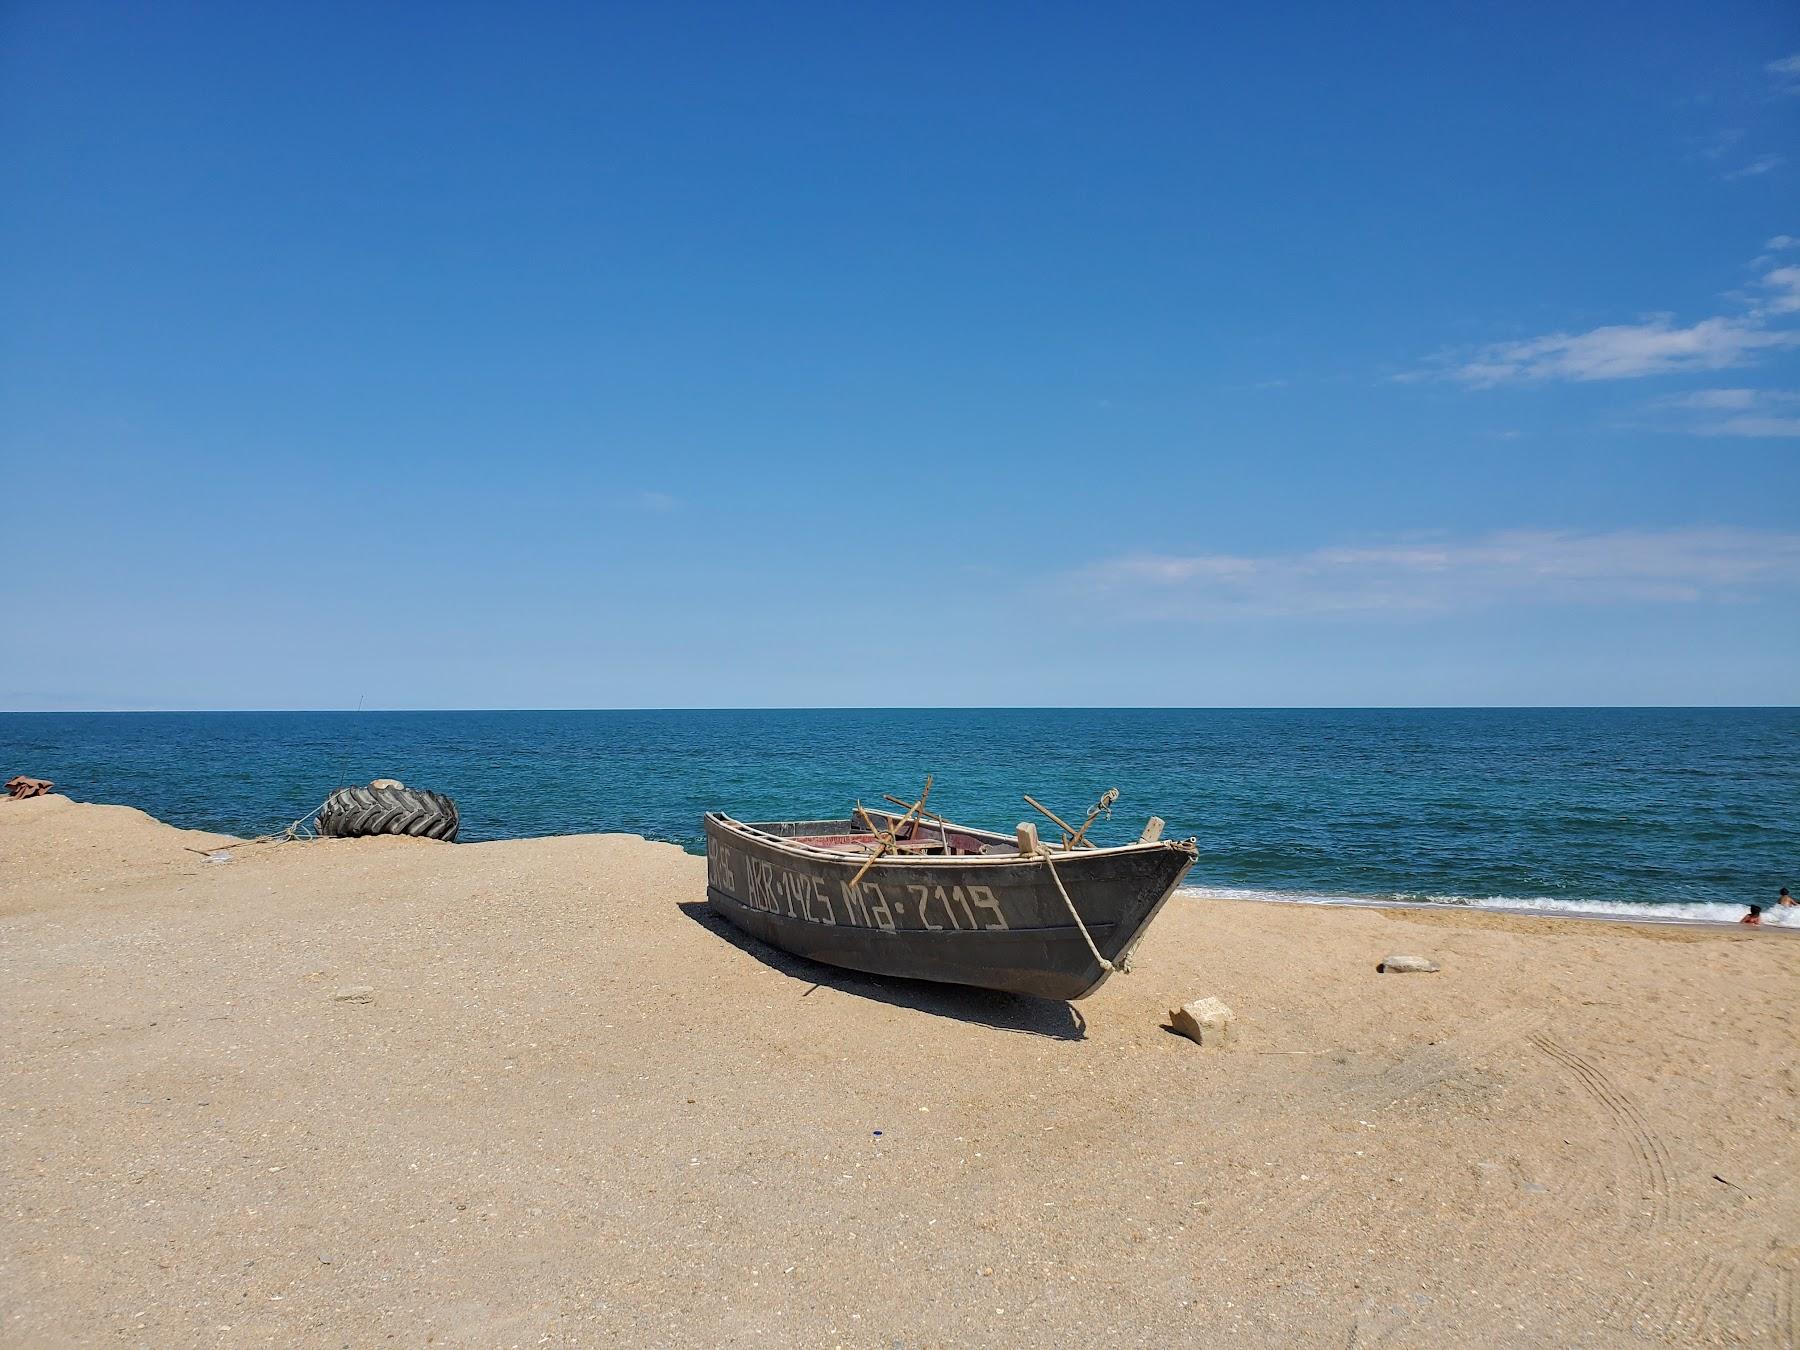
(995, 922)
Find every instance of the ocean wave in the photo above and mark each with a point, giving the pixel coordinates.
(1677, 911)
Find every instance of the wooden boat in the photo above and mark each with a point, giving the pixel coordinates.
(932, 900)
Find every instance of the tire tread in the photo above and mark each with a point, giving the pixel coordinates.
(353, 812)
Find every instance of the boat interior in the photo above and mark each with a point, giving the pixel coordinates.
(860, 834)
(874, 832)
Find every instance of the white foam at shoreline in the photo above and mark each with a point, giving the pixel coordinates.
(1624, 910)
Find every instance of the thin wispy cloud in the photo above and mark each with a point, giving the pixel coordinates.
(1721, 143)
(1778, 244)
(1786, 73)
(1736, 412)
(1656, 345)
(1443, 575)
(1714, 400)
(1783, 284)
(1756, 168)
(1786, 76)
(1754, 425)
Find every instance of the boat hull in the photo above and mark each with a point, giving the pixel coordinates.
(995, 922)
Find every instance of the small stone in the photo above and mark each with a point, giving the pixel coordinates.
(1205, 1021)
(1399, 963)
(355, 993)
(324, 1260)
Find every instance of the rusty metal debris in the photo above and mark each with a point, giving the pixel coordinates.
(22, 787)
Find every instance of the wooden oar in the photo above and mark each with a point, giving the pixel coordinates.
(1072, 837)
(868, 818)
(943, 825)
(886, 840)
(1061, 824)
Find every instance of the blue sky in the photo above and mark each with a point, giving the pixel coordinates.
(661, 355)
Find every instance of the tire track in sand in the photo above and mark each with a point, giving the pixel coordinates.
(1711, 1305)
(1707, 1300)
(1650, 1157)
(1745, 1292)
(1693, 1303)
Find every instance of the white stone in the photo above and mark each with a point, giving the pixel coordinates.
(1205, 1021)
(1399, 963)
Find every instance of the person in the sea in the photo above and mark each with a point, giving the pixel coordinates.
(1787, 901)
(1754, 916)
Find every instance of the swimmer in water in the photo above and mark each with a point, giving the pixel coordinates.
(1754, 917)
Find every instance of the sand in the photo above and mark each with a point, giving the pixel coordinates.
(573, 1109)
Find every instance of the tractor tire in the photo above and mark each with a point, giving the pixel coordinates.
(354, 811)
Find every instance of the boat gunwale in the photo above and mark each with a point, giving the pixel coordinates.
(788, 844)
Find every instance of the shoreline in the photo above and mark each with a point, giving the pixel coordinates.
(1627, 914)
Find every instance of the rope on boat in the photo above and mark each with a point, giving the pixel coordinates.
(1075, 914)
(885, 839)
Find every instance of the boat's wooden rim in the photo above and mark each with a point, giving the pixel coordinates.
(787, 844)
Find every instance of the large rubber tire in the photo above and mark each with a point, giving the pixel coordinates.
(353, 811)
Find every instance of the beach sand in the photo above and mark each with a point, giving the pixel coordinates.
(575, 1109)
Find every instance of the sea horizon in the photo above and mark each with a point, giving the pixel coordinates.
(949, 707)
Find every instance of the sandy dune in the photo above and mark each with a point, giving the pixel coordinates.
(574, 1110)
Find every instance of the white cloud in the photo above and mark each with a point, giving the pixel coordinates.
(1680, 566)
(1737, 412)
(1782, 241)
(1787, 73)
(1721, 142)
(1761, 425)
(1656, 345)
(656, 501)
(1714, 399)
(1623, 351)
(1785, 283)
(1756, 168)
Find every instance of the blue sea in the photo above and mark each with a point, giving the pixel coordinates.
(1673, 813)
